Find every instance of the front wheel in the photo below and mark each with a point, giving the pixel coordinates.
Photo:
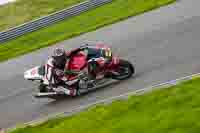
(124, 71)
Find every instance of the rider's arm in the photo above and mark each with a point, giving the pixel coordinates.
(75, 51)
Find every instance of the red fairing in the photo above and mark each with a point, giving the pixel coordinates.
(77, 63)
(100, 61)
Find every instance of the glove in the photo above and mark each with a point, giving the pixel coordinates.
(59, 73)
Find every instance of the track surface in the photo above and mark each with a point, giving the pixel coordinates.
(163, 44)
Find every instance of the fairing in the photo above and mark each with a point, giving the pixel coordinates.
(33, 74)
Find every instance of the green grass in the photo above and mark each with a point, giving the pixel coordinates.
(21, 11)
(171, 110)
(88, 21)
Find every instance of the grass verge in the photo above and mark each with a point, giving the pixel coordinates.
(175, 109)
(22, 11)
(88, 21)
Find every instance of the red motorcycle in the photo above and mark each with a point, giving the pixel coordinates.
(101, 68)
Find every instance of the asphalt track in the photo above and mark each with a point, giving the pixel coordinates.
(164, 44)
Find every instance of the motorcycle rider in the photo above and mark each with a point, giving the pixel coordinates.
(61, 58)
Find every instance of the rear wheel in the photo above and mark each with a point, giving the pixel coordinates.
(124, 71)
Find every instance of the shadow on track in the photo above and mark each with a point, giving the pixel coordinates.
(111, 83)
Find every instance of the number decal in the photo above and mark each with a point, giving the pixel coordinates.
(33, 72)
(108, 52)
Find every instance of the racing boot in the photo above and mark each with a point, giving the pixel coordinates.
(65, 90)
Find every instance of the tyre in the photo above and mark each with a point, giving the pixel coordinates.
(125, 70)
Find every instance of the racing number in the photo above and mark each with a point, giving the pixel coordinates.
(108, 53)
(33, 72)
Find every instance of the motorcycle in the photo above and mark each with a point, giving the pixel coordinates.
(117, 69)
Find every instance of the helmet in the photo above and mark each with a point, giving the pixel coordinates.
(58, 56)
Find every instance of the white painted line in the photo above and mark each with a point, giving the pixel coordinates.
(2, 130)
(2, 2)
